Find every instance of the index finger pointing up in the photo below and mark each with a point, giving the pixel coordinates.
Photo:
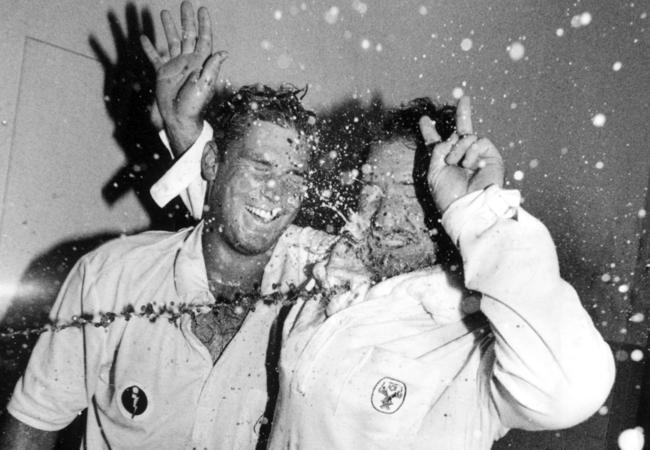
(464, 117)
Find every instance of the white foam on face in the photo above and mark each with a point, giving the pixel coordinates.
(631, 439)
(516, 50)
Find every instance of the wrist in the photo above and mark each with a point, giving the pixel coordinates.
(182, 134)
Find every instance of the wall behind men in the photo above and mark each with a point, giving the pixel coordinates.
(543, 78)
(561, 87)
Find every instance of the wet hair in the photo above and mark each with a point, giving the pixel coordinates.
(232, 117)
(403, 121)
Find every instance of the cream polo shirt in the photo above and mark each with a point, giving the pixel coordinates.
(423, 363)
(153, 384)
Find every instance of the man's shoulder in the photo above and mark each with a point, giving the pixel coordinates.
(138, 250)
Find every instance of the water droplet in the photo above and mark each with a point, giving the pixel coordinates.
(617, 66)
(518, 175)
(631, 439)
(599, 120)
(466, 44)
(332, 15)
(516, 51)
(365, 44)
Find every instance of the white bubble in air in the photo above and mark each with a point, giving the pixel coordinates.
(636, 355)
(599, 120)
(457, 92)
(518, 175)
(617, 66)
(332, 15)
(516, 51)
(631, 439)
(466, 44)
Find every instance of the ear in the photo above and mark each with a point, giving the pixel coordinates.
(210, 161)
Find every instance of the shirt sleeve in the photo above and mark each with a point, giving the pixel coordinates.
(184, 177)
(53, 389)
(550, 368)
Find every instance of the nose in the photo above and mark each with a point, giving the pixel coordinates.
(272, 188)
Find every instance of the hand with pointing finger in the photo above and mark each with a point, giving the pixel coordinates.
(462, 164)
(186, 79)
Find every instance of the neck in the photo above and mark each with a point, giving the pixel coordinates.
(229, 268)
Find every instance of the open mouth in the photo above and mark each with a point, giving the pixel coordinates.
(264, 215)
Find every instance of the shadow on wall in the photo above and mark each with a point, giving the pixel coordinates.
(129, 84)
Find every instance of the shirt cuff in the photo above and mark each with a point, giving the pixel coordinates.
(480, 210)
(184, 171)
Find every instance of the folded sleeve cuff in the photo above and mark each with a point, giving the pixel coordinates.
(480, 210)
(184, 171)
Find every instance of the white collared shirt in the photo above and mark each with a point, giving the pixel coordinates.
(422, 363)
(153, 384)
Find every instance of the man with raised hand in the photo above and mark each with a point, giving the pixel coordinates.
(420, 360)
(164, 338)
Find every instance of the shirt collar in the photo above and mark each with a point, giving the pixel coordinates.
(190, 276)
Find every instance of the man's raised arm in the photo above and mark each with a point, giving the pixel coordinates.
(186, 81)
(550, 368)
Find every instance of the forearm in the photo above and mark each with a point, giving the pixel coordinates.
(18, 436)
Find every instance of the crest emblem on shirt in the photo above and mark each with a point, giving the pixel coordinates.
(134, 400)
(388, 395)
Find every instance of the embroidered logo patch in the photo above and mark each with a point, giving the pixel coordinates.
(134, 400)
(388, 395)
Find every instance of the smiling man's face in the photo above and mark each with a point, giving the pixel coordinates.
(398, 241)
(259, 187)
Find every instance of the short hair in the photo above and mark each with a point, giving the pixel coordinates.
(282, 106)
(403, 121)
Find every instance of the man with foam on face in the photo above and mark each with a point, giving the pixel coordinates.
(426, 358)
(196, 376)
